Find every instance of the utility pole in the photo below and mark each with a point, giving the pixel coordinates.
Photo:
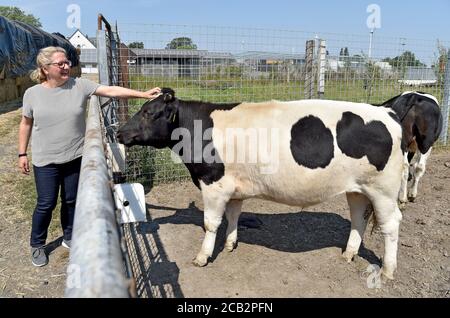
(370, 43)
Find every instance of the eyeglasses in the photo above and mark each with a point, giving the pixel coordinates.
(61, 64)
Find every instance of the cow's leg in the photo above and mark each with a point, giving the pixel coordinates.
(418, 172)
(232, 212)
(388, 217)
(403, 194)
(215, 199)
(358, 204)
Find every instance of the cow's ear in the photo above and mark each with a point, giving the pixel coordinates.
(168, 95)
(171, 112)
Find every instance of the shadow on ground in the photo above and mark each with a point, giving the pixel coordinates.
(288, 232)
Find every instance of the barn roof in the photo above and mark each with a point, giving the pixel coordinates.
(420, 73)
(180, 53)
(262, 55)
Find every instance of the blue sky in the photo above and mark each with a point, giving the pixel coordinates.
(400, 18)
(412, 19)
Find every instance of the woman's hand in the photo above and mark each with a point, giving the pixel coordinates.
(152, 93)
(24, 166)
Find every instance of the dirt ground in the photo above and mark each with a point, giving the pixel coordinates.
(288, 252)
(291, 252)
(18, 277)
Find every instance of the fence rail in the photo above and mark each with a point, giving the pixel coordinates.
(96, 267)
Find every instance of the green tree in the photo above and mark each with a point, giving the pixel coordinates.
(16, 14)
(182, 43)
(407, 58)
(358, 58)
(346, 51)
(372, 74)
(136, 45)
(440, 62)
(343, 54)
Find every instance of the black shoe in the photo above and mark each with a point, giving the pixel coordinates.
(38, 256)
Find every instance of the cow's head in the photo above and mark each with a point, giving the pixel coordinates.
(153, 124)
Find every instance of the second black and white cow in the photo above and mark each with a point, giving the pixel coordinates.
(298, 153)
(421, 120)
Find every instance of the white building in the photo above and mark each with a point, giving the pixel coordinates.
(78, 39)
(333, 64)
(88, 57)
(419, 76)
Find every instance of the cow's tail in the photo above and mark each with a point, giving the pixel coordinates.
(372, 219)
(439, 125)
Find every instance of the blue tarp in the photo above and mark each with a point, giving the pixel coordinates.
(20, 43)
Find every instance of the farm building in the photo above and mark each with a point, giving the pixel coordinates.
(88, 56)
(261, 64)
(177, 63)
(419, 76)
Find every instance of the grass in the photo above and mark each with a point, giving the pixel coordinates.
(18, 193)
(229, 89)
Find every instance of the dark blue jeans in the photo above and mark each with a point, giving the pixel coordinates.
(50, 180)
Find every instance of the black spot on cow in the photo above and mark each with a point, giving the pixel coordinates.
(311, 143)
(356, 139)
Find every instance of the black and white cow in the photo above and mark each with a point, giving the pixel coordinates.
(421, 120)
(322, 149)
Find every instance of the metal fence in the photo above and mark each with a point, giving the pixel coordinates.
(224, 64)
(99, 264)
(220, 64)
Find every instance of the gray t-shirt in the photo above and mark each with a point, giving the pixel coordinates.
(59, 120)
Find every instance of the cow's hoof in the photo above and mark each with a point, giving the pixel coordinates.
(411, 199)
(230, 246)
(387, 274)
(200, 260)
(401, 205)
(348, 256)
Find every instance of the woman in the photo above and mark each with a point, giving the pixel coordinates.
(54, 112)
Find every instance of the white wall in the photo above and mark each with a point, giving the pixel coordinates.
(78, 39)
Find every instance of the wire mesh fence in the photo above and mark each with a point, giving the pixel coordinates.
(226, 64)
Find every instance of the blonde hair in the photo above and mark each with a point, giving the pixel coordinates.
(42, 59)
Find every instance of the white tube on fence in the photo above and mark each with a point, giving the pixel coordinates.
(322, 56)
(96, 267)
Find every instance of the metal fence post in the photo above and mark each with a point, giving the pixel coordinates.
(446, 101)
(102, 58)
(108, 65)
(309, 70)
